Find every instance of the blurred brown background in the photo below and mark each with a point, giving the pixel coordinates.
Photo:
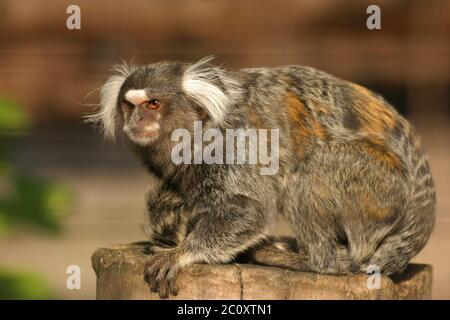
(49, 70)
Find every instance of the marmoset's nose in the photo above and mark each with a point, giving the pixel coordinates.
(138, 116)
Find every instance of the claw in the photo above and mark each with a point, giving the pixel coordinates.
(172, 278)
(161, 272)
(161, 279)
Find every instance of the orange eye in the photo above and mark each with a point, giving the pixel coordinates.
(153, 104)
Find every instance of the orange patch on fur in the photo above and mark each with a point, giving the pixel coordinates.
(369, 207)
(378, 213)
(378, 151)
(305, 127)
(319, 130)
(377, 121)
(376, 117)
(297, 112)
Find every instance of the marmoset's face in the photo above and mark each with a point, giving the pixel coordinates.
(147, 99)
(142, 115)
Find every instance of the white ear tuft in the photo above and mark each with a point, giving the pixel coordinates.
(200, 82)
(109, 92)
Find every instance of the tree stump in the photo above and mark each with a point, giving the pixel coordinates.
(120, 275)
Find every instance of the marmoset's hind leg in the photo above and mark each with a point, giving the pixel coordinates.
(343, 204)
(282, 252)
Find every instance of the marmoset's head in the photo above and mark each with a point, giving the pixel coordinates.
(147, 102)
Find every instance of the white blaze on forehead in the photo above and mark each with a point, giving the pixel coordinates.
(136, 97)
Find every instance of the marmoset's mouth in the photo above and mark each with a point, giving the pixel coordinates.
(143, 135)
